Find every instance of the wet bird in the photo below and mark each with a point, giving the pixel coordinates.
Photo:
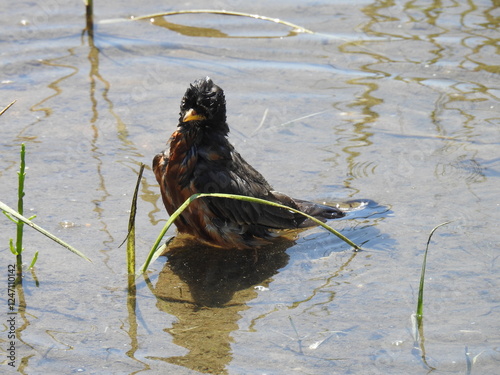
(200, 159)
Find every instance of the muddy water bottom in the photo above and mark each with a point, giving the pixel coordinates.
(394, 103)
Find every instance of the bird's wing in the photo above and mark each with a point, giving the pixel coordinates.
(160, 162)
(236, 176)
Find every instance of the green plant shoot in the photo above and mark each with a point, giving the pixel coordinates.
(420, 303)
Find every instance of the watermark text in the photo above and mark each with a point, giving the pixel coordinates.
(11, 315)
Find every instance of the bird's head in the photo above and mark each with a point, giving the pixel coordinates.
(204, 106)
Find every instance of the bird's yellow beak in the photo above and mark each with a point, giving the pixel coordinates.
(191, 115)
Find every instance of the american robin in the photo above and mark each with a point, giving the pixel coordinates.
(200, 159)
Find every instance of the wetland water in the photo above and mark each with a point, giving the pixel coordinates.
(396, 102)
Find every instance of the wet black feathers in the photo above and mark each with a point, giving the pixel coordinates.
(218, 168)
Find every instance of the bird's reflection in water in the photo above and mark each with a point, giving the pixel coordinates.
(206, 288)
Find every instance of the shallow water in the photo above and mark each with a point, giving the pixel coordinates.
(392, 102)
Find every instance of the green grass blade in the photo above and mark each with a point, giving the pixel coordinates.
(155, 251)
(155, 255)
(131, 226)
(133, 206)
(420, 303)
(15, 214)
(10, 217)
(35, 258)
(12, 247)
(263, 201)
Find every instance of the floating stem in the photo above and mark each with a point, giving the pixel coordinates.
(295, 27)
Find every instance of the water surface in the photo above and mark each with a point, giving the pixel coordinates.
(396, 102)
